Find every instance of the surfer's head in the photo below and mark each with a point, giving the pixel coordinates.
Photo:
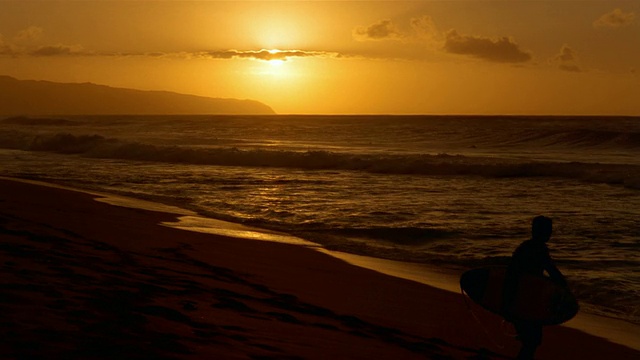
(541, 228)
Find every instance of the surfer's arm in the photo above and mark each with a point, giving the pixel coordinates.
(550, 267)
(555, 274)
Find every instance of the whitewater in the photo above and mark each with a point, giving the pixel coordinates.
(452, 191)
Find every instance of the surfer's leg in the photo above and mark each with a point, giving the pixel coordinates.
(526, 352)
(531, 337)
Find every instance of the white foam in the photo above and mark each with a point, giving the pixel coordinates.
(141, 204)
(225, 228)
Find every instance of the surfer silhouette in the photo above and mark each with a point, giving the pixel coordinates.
(532, 258)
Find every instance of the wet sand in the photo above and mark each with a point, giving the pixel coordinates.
(85, 279)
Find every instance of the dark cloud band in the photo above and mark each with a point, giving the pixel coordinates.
(382, 30)
(498, 50)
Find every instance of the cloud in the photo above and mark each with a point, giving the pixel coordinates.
(10, 49)
(497, 50)
(567, 60)
(57, 50)
(29, 34)
(382, 30)
(26, 43)
(264, 54)
(426, 30)
(424, 26)
(615, 19)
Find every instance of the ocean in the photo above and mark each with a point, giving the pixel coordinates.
(455, 192)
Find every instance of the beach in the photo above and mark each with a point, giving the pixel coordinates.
(448, 193)
(319, 180)
(86, 279)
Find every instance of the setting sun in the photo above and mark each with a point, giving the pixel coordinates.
(276, 63)
(276, 68)
(424, 57)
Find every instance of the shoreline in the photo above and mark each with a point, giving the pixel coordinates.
(269, 266)
(613, 329)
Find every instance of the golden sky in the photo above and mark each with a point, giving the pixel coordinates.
(420, 57)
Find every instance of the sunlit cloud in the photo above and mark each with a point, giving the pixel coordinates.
(497, 50)
(615, 19)
(421, 32)
(382, 30)
(24, 44)
(567, 60)
(264, 54)
(77, 50)
(424, 31)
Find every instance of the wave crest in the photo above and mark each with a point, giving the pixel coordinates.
(422, 164)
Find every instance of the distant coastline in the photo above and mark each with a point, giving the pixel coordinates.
(45, 98)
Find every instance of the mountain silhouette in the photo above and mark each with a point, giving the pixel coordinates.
(30, 97)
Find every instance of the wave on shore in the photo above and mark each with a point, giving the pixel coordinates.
(98, 146)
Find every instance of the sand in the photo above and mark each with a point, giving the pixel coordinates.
(85, 279)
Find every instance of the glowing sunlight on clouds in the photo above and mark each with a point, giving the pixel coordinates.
(558, 57)
(424, 29)
(265, 54)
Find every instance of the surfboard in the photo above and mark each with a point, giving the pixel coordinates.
(537, 299)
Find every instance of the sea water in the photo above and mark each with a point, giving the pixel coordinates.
(452, 191)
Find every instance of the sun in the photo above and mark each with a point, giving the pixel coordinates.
(276, 65)
(276, 68)
(276, 62)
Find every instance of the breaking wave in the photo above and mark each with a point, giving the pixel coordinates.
(97, 146)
